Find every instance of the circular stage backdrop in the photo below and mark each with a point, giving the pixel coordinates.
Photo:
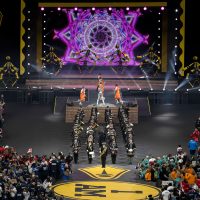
(99, 32)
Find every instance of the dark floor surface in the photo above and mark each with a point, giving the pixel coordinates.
(35, 126)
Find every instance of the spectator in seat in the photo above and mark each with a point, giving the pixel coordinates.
(148, 175)
(179, 150)
(166, 194)
(193, 146)
(195, 135)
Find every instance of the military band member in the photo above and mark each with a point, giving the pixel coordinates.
(103, 154)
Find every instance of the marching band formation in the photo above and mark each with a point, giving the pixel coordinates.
(106, 135)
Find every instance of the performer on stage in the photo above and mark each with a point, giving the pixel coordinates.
(52, 62)
(118, 94)
(192, 72)
(119, 57)
(82, 96)
(86, 55)
(103, 154)
(100, 89)
(152, 59)
(8, 68)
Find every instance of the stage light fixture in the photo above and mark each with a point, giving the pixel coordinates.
(44, 35)
(93, 8)
(151, 89)
(17, 87)
(59, 8)
(176, 29)
(76, 8)
(158, 51)
(158, 28)
(127, 8)
(163, 89)
(109, 8)
(29, 19)
(128, 88)
(42, 8)
(159, 13)
(175, 55)
(145, 8)
(199, 90)
(176, 10)
(158, 36)
(187, 90)
(176, 38)
(140, 88)
(176, 19)
(29, 64)
(44, 51)
(44, 43)
(29, 11)
(44, 14)
(29, 37)
(44, 21)
(162, 8)
(175, 89)
(175, 46)
(29, 29)
(175, 64)
(44, 28)
(28, 72)
(28, 45)
(28, 54)
(158, 20)
(158, 44)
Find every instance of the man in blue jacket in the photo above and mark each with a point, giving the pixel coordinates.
(193, 146)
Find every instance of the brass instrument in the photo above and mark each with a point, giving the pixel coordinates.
(103, 152)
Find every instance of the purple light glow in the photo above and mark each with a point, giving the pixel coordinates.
(93, 9)
(145, 8)
(109, 8)
(103, 31)
(42, 8)
(75, 8)
(162, 8)
(127, 8)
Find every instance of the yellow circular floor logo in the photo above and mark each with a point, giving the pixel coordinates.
(105, 190)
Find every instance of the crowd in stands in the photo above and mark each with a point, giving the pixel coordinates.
(28, 177)
(2, 111)
(179, 174)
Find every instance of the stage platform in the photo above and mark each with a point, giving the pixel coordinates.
(72, 110)
(90, 82)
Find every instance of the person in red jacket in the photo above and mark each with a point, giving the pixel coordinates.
(184, 186)
(195, 135)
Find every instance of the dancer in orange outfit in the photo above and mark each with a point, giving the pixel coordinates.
(118, 94)
(82, 95)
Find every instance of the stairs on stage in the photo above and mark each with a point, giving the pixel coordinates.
(60, 103)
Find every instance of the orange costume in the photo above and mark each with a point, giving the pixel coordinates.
(117, 94)
(82, 95)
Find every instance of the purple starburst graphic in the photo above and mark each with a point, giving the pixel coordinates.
(100, 32)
